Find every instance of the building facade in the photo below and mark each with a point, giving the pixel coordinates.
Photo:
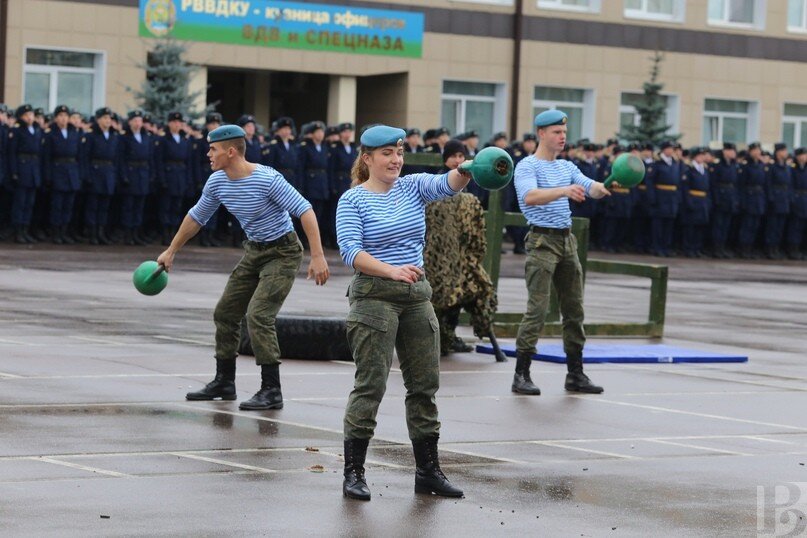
(733, 69)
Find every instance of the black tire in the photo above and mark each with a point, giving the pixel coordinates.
(302, 337)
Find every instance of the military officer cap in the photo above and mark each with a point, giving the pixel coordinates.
(305, 128)
(136, 113)
(61, 109)
(103, 111)
(244, 119)
(284, 121)
(175, 116)
(800, 151)
(413, 131)
(331, 130)
(754, 145)
(612, 142)
(3, 108)
(48, 118)
(316, 125)
(666, 144)
(634, 147)
(472, 134)
(697, 150)
(382, 135)
(498, 136)
(529, 136)
(729, 145)
(779, 146)
(453, 147)
(346, 126)
(550, 117)
(225, 132)
(39, 111)
(440, 131)
(213, 117)
(677, 145)
(588, 147)
(598, 147)
(429, 134)
(619, 149)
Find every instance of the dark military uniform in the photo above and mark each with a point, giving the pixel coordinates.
(63, 174)
(778, 192)
(617, 210)
(101, 174)
(724, 183)
(643, 212)
(340, 161)
(798, 210)
(316, 184)
(752, 204)
(588, 208)
(695, 208)
(285, 160)
(137, 166)
(25, 147)
(207, 236)
(663, 181)
(5, 196)
(452, 259)
(174, 174)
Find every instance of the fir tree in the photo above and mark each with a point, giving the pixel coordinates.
(652, 112)
(166, 88)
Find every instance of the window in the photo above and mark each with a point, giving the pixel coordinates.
(797, 15)
(729, 121)
(592, 6)
(478, 106)
(63, 77)
(494, 2)
(794, 125)
(741, 13)
(629, 116)
(660, 10)
(578, 104)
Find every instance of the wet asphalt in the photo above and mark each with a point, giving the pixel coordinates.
(96, 438)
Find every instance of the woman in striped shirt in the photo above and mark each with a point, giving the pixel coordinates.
(380, 226)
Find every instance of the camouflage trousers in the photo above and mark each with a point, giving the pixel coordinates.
(552, 259)
(257, 287)
(387, 316)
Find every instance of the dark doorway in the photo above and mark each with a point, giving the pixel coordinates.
(228, 87)
(300, 96)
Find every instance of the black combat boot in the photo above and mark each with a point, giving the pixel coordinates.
(522, 383)
(576, 380)
(794, 253)
(166, 235)
(19, 236)
(222, 386)
(92, 235)
(269, 396)
(355, 485)
(56, 235)
(458, 345)
(139, 238)
(65, 235)
(429, 478)
(28, 237)
(103, 238)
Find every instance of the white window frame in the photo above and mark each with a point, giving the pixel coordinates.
(759, 18)
(98, 72)
(752, 132)
(678, 14)
(588, 105)
(499, 101)
(803, 28)
(594, 6)
(798, 120)
(673, 109)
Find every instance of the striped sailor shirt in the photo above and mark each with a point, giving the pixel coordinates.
(532, 173)
(391, 226)
(261, 202)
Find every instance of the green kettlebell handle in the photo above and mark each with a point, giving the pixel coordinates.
(156, 273)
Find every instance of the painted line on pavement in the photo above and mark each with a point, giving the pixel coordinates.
(98, 340)
(582, 449)
(223, 462)
(82, 467)
(699, 447)
(184, 340)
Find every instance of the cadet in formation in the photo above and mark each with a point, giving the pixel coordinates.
(62, 154)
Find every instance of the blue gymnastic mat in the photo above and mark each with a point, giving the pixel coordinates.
(622, 353)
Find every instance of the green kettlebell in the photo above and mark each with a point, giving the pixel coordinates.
(150, 278)
(491, 169)
(627, 170)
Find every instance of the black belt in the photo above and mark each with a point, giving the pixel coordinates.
(138, 164)
(31, 155)
(550, 231)
(176, 162)
(290, 237)
(65, 160)
(315, 170)
(101, 161)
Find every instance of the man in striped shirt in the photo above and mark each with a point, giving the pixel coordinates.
(262, 201)
(545, 185)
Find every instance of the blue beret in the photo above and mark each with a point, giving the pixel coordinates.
(550, 117)
(226, 132)
(382, 135)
